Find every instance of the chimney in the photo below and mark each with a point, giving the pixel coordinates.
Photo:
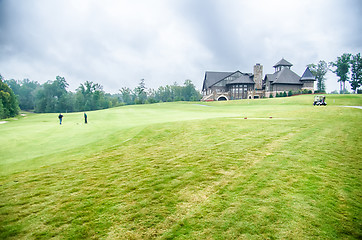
(258, 76)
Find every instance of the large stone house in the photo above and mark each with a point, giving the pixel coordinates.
(237, 85)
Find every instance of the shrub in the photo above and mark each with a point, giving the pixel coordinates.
(324, 92)
(284, 94)
(271, 95)
(290, 93)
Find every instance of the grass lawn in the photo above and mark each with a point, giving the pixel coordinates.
(186, 171)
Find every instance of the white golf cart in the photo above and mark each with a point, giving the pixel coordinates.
(319, 100)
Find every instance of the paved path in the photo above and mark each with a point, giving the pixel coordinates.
(359, 107)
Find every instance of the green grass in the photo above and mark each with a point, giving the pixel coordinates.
(186, 171)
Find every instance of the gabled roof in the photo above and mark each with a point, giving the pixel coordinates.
(270, 77)
(307, 75)
(284, 76)
(283, 62)
(213, 77)
(245, 78)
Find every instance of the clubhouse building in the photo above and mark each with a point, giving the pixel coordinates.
(238, 85)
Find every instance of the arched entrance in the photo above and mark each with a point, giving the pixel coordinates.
(222, 98)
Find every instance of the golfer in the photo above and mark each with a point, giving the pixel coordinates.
(85, 118)
(60, 118)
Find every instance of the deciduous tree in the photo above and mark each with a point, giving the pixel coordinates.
(52, 96)
(90, 96)
(8, 103)
(319, 71)
(342, 65)
(127, 96)
(356, 72)
(189, 91)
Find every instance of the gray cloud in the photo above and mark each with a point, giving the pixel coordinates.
(116, 43)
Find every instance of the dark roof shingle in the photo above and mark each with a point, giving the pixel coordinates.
(283, 62)
(245, 78)
(213, 77)
(307, 75)
(284, 76)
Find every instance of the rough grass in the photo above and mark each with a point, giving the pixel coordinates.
(186, 171)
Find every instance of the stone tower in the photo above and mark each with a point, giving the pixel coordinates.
(258, 76)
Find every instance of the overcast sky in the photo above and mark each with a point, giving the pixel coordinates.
(118, 42)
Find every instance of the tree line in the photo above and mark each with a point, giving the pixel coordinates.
(53, 96)
(347, 67)
(168, 93)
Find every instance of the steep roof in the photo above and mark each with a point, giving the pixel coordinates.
(284, 76)
(307, 75)
(245, 78)
(270, 77)
(213, 77)
(283, 62)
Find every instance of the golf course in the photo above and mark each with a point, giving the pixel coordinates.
(276, 168)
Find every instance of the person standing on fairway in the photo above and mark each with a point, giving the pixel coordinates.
(60, 118)
(85, 118)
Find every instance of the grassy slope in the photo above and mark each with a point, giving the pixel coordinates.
(186, 171)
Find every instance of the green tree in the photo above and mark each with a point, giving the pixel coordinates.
(52, 96)
(27, 94)
(9, 105)
(356, 70)
(165, 94)
(151, 96)
(189, 91)
(177, 92)
(24, 91)
(319, 71)
(14, 85)
(342, 65)
(89, 96)
(60, 87)
(111, 100)
(141, 94)
(2, 115)
(127, 96)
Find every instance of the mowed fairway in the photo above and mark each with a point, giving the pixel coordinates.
(186, 171)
